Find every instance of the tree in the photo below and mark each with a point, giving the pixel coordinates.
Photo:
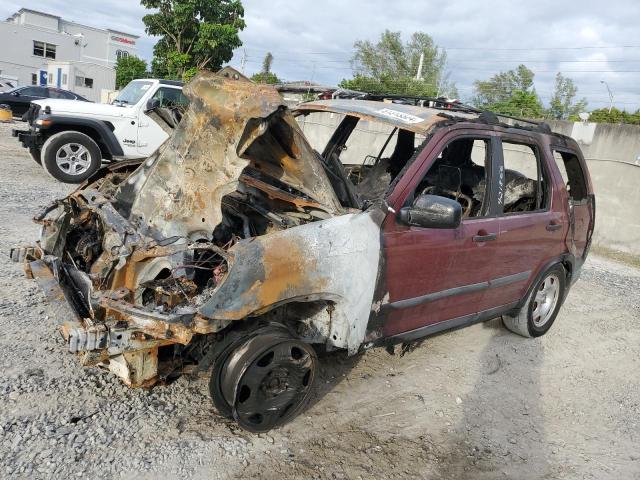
(129, 68)
(391, 66)
(603, 115)
(562, 105)
(521, 103)
(194, 34)
(499, 88)
(266, 76)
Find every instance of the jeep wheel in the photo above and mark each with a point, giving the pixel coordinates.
(71, 157)
(35, 154)
(539, 312)
(265, 380)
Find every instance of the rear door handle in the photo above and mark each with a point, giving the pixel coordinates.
(552, 227)
(485, 238)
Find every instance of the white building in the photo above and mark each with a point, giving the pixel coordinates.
(43, 49)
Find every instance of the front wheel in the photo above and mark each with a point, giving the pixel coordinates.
(537, 315)
(71, 157)
(264, 380)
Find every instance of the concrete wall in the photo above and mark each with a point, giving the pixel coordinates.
(613, 158)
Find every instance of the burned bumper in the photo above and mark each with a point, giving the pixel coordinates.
(127, 348)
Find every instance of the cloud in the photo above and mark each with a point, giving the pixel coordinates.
(314, 40)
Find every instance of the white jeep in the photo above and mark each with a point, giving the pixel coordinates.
(72, 139)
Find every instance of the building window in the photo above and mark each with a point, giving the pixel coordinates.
(121, 54)
(42, 49)
(84, 82)
(51, 79)
(64, 79)
(34, 79)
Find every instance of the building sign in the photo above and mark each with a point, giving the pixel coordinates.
(123, 40)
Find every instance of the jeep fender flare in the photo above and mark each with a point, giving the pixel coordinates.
(102, 133)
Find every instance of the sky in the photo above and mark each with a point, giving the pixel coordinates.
(589, 41)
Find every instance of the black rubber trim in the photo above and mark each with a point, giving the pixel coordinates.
(452, 324)
(475, 287)
(175, 83)
(107, 137)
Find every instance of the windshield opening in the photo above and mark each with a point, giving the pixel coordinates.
(132, 93)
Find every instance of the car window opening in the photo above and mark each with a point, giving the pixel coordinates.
(572, 175)
(460, 173)
(525, 187)
(374, 155)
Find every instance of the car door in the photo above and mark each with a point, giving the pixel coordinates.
(21, 102)
(579, 199)
(533, 224)
(150, 134)
(434, 276)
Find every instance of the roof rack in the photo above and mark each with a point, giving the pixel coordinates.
(440, 103)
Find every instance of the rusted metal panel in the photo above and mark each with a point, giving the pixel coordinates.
(229, 125)
(408, 117)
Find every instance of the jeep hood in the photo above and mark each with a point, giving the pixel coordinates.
(232, 126)
(74, 107)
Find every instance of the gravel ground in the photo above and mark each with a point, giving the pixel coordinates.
(477, 403)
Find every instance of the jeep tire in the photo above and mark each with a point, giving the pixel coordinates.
(71, 157)
(538, 313)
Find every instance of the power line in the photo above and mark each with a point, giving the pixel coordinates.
(495, 49)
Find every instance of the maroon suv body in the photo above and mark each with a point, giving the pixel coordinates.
(259, 235)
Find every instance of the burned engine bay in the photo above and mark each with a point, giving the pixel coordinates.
(157, 256)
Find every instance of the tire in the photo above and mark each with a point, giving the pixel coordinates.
(263, 380)
(71, 157)
(539, 312)
(36, 154)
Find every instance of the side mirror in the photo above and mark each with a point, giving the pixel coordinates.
(432, 211)
(153, 104)
(15, 94)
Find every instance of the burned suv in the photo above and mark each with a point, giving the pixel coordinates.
(259, 235)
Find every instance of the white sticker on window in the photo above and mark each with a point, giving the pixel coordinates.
(144, 87)
(397, 115)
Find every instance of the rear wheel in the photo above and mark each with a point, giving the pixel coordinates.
(264, 380)
(71, 157)
(539, 312)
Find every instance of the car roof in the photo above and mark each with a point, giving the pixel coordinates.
(408, 117)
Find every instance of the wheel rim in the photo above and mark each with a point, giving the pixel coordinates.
(267, 382)
(545, 300)
(73, 159)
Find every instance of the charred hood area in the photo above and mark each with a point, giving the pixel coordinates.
(143, 250)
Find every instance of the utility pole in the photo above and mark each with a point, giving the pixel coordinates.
(420, 65)
(610, 95)
(243, 61)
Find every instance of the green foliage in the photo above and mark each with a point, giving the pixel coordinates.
(391, 66)
(390, 85)
(509, 93)
(265, 76)
(129, 68)
(267, 62)
(520, 104)
(603, 115)
(499, 88)
(194, 35)
(562, 104)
